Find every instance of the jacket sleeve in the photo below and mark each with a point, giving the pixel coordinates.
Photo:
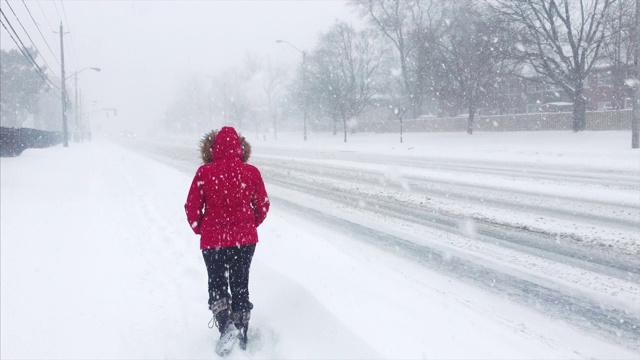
(260, 201)
(195, 202)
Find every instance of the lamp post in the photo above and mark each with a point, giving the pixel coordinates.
(63, 93)
(77, 112)
(304, 86)
(94, 103)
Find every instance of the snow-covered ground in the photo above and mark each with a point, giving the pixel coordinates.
(97, 260)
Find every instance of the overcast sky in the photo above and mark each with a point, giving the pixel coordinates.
(145, 47)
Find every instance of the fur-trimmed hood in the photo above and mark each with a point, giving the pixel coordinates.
(208, 140)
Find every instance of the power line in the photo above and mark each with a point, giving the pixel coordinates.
(43, 38)
(25, 31)
(58, 12)
(45, 16)
(73, 46)
(25, 52)
(32, 60)
(26, 56)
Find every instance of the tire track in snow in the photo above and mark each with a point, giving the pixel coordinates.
(585, 225)
(511, 237)
(616, 325)
(466, 192)
(578, 175)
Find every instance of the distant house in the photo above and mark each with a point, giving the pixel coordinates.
(604, 90)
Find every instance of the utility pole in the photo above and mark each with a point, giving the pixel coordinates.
(635, 118)
(65, 132)
(84, 135)
(305, 111)
(78, 131)
(305, 91)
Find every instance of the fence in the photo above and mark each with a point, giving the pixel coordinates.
(600, 120)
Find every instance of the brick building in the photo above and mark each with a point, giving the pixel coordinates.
(604, 89)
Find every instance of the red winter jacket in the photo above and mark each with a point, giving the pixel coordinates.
(227, 199)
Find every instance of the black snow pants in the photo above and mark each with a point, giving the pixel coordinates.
(228, 270)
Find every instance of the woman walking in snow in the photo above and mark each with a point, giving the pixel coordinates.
(227, 201)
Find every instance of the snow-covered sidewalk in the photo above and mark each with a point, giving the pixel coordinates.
(97, 261)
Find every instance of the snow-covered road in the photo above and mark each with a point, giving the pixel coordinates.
(562, 239)
(349, 256)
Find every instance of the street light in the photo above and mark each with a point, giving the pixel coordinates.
(77, 112)
(304, 85)
(96, 69)
(93, 104)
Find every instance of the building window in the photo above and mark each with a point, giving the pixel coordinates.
(604, 78)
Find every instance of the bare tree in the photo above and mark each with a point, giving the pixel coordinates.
(273, 83)
(472, 54)
(231, 98)
(343, 70)
(402, 22)
(618, 48)
(561, 40)
(398, 104)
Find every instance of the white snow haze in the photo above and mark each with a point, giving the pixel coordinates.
(394, 232)
(144, 48)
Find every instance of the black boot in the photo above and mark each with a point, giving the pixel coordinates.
(223, 320)
(241, 321)
(221, 314)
